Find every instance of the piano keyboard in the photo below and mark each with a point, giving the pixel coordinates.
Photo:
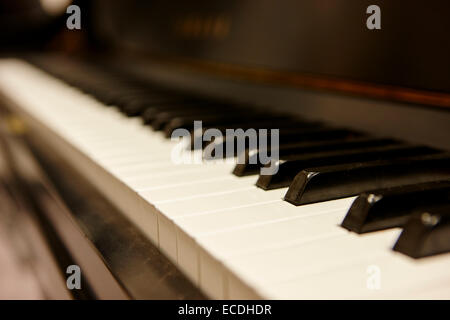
(234, 235)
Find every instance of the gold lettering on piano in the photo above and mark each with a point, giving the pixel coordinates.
(196, 27)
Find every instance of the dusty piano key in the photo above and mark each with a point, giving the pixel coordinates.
(426, 233)
(252, 158)
(289, 166)
(339, 181)
(391, 208)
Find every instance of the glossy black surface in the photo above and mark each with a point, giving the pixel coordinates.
(327, 37)
(287, 129)
(390, 208)
(162, 118)
(151, 114)
(289, 166)
(252, 165)
(339, 181)
(238, 117)
(427, 233)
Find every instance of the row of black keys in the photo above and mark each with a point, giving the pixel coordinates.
(400, 185)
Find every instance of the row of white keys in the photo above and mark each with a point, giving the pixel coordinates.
(77, 118)
(200, 234)
(207, 196)
(220, 229)
(198, 182)
(389, 275)
(319, 260)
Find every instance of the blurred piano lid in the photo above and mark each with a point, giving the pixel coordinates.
(316, 59)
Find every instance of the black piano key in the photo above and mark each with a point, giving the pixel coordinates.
(122, 96)
(112, 88)
(253, 164)
(164, 117)
(345, 180)
(289, 167)
(151, 113)
(239, 117)
(427, 233)
(135, 106)
(391, 208)
(289, 128)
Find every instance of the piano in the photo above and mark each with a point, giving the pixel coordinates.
(358, 204)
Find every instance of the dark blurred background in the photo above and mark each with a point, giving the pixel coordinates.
(38, 25)
(318, 37)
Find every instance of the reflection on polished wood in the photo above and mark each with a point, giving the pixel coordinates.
(306, 81)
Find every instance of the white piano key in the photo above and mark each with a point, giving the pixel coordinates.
(174, 176)
(253, 228)
(220, 202)
(272, 266)
(397, 277)
(195, 189)
(137, 170)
